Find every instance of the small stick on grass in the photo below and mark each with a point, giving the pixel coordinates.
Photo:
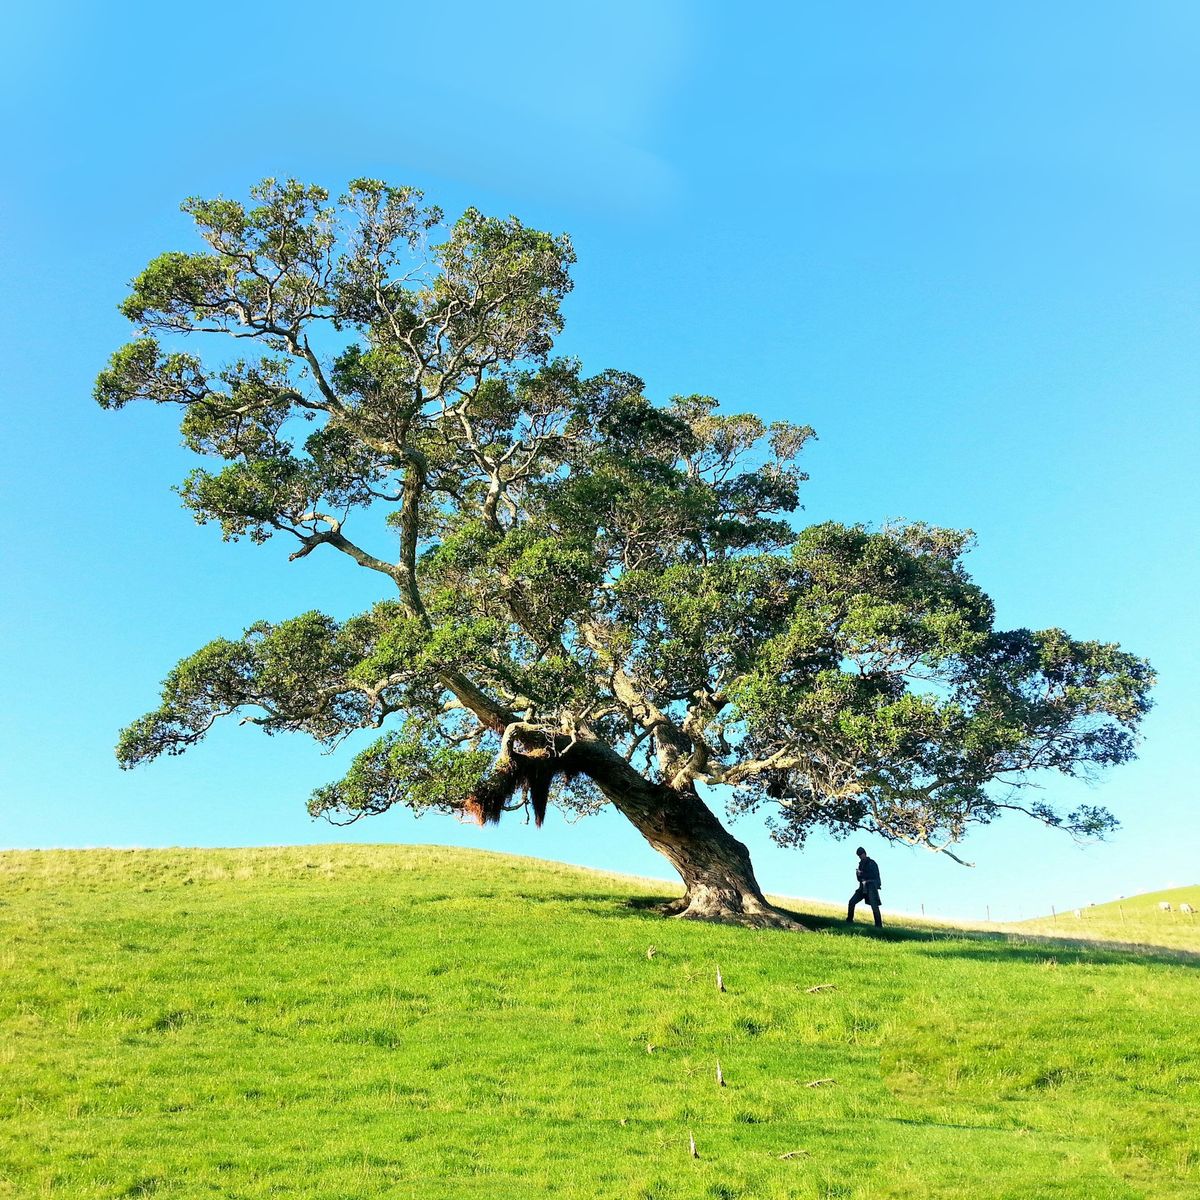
(794, 1153)
(720, 1076)
(692, 1145)
(819, 1082)
(720, 981)
(651, 952)
(822, 987)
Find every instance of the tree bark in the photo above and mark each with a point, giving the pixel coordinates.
(714, 866)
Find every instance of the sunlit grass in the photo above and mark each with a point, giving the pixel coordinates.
(358, 1021)
(1135, 919)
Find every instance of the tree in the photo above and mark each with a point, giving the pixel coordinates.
(593, 598)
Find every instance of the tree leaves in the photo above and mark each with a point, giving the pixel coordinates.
(305, 674)
(889, 702)
(575, 561)
(408, 767)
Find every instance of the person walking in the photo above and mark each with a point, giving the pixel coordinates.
(867, 874)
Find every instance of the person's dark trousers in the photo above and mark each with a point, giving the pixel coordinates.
(870, 893)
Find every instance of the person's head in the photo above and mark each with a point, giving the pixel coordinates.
(861, 852)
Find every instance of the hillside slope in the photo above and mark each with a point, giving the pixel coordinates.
(344, 1022)
(1136, 919)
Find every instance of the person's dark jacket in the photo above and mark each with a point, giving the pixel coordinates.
(868, 871)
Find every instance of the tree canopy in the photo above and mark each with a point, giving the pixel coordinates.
(588, 597)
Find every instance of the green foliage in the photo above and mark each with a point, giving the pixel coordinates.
(394, 643)
(305, 674)
(270, 265)
(454, 1024)
(204, 685)
(699, 622)
(248, 498)
(889, 672)
(572, 557)
(410, 766)
(139, 371)
(177, 289)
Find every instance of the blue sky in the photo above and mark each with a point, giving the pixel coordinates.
(961, 241)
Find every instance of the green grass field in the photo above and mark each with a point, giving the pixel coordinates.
(1136, 919)
(339, 1022)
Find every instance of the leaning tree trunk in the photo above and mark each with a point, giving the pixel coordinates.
(714, 866)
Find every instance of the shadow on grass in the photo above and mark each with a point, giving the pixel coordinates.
(1000, 944)
(981, 944)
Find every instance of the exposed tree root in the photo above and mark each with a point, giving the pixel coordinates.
(747, 912)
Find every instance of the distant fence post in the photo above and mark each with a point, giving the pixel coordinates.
(1053, 916)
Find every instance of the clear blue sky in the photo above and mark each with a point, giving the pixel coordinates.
(960, 240)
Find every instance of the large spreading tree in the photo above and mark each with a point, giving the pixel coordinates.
(586, 598)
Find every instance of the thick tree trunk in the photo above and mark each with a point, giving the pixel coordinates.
(714, 866)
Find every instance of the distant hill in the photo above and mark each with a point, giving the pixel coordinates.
(1137, 919)
(404, 1022)
(1149, 901)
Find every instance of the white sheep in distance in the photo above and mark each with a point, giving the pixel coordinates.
(1164, 906)
(1186, 908)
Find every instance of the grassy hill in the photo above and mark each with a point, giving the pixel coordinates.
(340, 1022)
(1136, 919)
